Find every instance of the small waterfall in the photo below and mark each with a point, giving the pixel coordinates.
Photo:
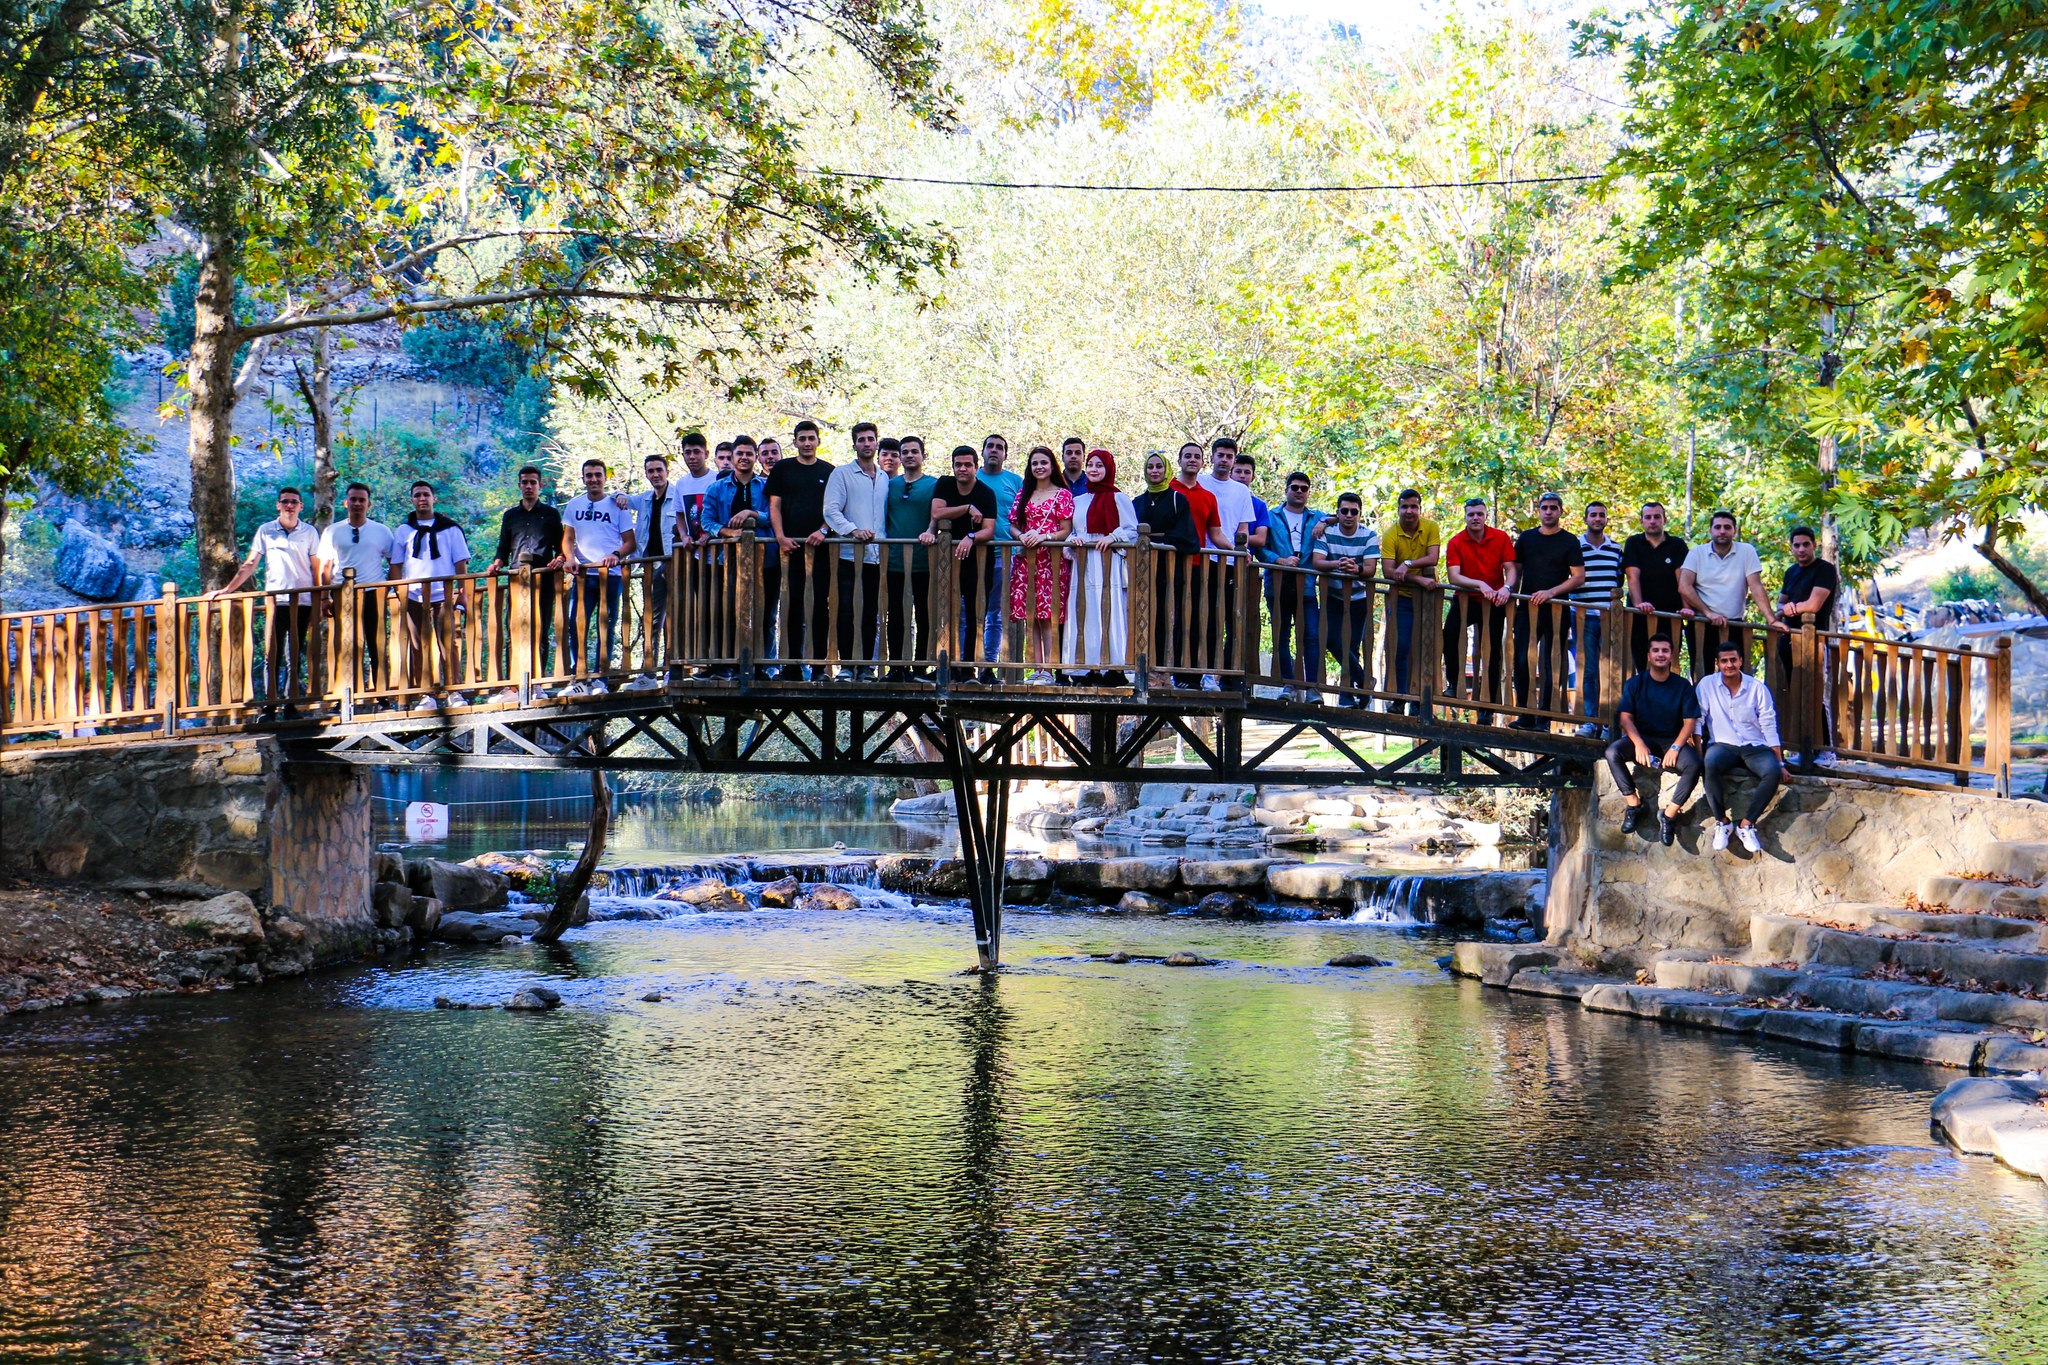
(1396, 902)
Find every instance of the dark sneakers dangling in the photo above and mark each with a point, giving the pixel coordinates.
(1667, 829)
(1631, 816)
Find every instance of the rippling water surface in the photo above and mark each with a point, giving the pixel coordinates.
(822, 1145)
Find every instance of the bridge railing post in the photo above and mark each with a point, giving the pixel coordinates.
(170, 666)
(1246, 609)
(746, 603)
(1998, 719)
(1426, 654)
(944, 586)
(1615, 629)
(1138, 621)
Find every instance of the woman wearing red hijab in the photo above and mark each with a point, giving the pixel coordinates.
(1105, 523)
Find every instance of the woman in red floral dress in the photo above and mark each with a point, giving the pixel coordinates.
(1043, 516)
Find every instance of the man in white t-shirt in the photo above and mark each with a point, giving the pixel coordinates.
(431, 546)
(1233, 514)
(357, 545)
(1717, 581)
(285, 549)
(597, 535)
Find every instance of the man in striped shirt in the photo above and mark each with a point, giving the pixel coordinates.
(1348, 550)
(1603, 578)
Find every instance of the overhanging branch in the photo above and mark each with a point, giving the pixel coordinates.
(388, 311)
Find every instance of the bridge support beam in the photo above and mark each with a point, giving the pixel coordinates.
(984, 829)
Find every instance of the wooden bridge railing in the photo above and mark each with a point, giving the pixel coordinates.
(1136, 615)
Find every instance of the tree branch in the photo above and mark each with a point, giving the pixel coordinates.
(369, 315)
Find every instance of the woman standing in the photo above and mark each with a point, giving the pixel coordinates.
(1043, 516)
(1096, 634)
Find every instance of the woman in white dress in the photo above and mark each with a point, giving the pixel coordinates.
(1095, 629)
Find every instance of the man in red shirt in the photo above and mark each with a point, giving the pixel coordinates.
(1203, 610)
(1480, 564)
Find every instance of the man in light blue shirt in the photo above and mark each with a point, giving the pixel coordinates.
(995, 448)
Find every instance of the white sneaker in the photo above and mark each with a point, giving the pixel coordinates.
(1747, 833)
(1826, 758)
(642, 683)
(506, 696)
(1209, 683)
(1722, 829)
(426, 704)
(457, 699)
(576, 690)
(597, 687)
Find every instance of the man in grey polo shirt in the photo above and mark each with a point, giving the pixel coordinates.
(1718, 579)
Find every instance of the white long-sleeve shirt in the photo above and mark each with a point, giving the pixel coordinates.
(1744, 717)
(857, 501)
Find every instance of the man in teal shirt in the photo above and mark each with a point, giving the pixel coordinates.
(907, 516)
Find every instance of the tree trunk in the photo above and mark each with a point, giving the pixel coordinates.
(571, 891)
(318, 392)
(2014, 574)
(211, 375)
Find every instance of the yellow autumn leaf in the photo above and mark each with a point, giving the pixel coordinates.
(1913, 351)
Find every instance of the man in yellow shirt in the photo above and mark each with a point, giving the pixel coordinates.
(1409, 548)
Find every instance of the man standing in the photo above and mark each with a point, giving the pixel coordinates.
(1720, 578)
(597, 535)
(434, 548)
(1651, 560)
(738, 503)
(1233, 514)
(358, 545)
(698, 476)
(721, 459)
(1349, 551)
(1552, 567)
(965, 506)
(770, 452)
(656, 514)
(530, 537)
(909, 515)
(796, 513)
(1660, 712)
(285, 548)
(1291, 598)
(1807, 598)
(1479, 561)
(1603, 580)
(1199, 610)
(1074, 462)
(1004, 486)
(1742, 732)
(889, 455)
(1409, 551)
(857, 509)
(1259, 533)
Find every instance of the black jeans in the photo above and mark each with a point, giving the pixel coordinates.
(1490, 622)
(1723, 759)
(1622, 753)
(867, 578)
(284, 663)
(1544, 691)
(807, 574)
(918, 612)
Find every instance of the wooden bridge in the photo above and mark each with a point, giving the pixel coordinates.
(702, 665)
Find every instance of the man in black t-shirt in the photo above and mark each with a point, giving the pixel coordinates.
(1812, 586)
(966, 509)
(1553, 567)
(530, 537)
(1650, 561)
(1659, 713)
(796, 511)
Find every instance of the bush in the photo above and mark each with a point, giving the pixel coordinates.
(1962, 585)
(468, 350)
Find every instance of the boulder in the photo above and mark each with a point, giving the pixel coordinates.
(231, 918)
(1027, 869)
(424, 917)
(1227, 905)
(391, 902)
(710, 895)
(826, 896)
(66, 859)
(1140, 874)
(948, 877)
(1082, 876)
(1328, 882)
(387, 867)
(1188, 959)
(1091, 798)
(534, 998)
(1357, 960)
(1162, 793)
(1143, 903)
(89, 564)
(516, 871)
(457, 886)
(1239, 875)
(780, 895)
(467, 927)
(905, 872)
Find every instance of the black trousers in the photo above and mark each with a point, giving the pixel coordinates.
(1486, 622)
(862, 581)
(1549, 686)
(1621, 757)
(1723, 759)
(916, 616)
(284, 655)
(808, 576)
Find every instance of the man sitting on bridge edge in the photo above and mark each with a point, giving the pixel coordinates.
(1658, 716)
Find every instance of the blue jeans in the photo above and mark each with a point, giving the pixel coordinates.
(1404, 638)
(1346, 620)
(1003, 554)
(1291, 601)
(583, 613)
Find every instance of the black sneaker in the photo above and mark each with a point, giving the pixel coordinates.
(1667, 829)
(1631, 816)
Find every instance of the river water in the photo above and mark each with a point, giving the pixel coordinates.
(823, 1145)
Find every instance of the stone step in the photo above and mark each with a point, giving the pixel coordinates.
(2027, 861)
(1843, 990)
(1787, 938)
(1891, 920)
(1975, 895)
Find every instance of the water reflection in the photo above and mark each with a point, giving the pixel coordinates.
(821, 1145)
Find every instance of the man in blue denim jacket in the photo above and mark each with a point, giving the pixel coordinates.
(1291, 597)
